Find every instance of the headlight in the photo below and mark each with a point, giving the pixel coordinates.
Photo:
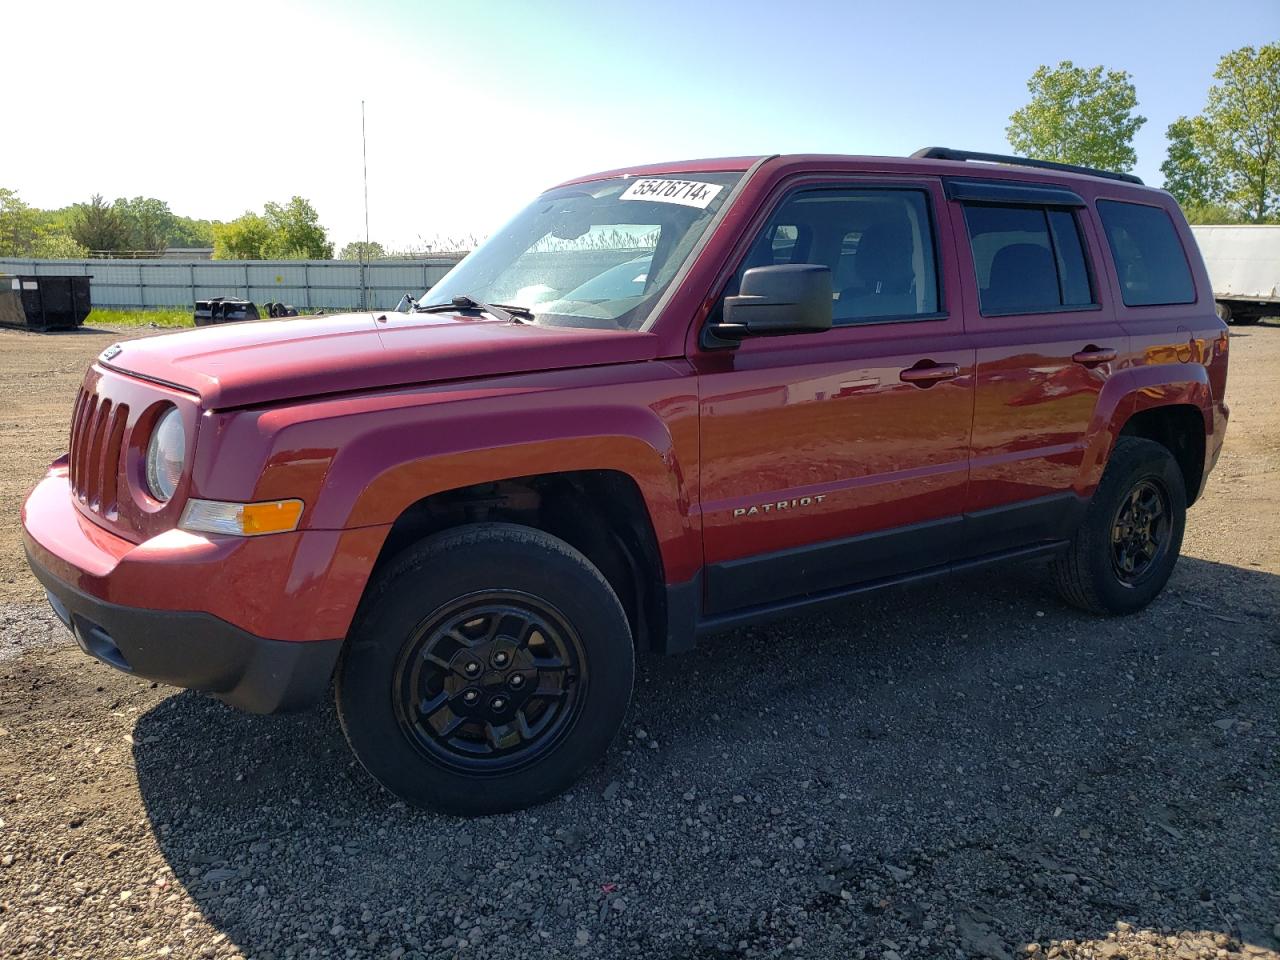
(166, 455)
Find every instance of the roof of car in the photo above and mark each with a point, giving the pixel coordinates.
(943, 162)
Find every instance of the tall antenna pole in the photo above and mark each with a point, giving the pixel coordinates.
(364, 149)
(364, 153)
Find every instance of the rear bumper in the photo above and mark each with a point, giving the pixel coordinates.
(194, 650)
(1219, 415)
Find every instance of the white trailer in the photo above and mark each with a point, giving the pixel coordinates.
(1244, 268)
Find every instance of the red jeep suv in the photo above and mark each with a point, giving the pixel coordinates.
(659, 402)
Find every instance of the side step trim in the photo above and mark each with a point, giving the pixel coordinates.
(772, 611)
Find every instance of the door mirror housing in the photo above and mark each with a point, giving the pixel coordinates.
(777, 300)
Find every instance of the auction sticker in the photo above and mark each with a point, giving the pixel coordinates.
(688, 193)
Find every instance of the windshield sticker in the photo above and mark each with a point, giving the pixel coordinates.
(688, 193)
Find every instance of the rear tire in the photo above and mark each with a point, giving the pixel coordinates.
(1125, 549)
(489, 666)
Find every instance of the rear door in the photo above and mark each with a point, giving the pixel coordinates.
(840, 457)
(1047, 341)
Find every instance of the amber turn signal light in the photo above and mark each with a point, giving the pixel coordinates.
(241, 519)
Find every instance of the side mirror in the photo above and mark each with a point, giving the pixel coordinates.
(776, 300)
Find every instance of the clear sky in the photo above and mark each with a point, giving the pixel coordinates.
(475, 106)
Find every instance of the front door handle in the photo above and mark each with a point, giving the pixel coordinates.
(1091, 356)
(926, 373)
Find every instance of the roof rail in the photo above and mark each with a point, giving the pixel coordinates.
(946, 153)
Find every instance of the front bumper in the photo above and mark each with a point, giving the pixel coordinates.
(257, 621)
(302, 586)
(194, 650)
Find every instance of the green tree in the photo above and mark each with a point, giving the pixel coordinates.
(1187, 174)
(289, 231)
(97, 225)
(19, 225)
(244, 238)
(1078, 115)
(57, 246)
(186, 232)
(56, 221)
(1229, 154)
(360, 250)
(28, 232)
(296, 231)
(149, 222)
(1212, 213)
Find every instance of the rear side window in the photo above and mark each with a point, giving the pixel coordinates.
(1068, 252)
(1028, 259)
(1149, 260)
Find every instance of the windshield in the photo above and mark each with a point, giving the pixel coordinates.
(596, 254)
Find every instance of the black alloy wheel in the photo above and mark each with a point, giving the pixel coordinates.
(490, 681)
(1141, 530)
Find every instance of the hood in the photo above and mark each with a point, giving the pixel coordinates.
(266, 361)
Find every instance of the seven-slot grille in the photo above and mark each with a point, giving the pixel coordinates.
(97, 441)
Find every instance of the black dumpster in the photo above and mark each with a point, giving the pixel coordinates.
(44, 303)
(224, 310)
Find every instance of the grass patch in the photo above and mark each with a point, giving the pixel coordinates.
(174, 318)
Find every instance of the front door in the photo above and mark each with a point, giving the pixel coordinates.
(839, 457)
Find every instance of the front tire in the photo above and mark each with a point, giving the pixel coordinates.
(1125, 549)
(488, 668)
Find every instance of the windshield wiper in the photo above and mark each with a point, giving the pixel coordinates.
(504, 312)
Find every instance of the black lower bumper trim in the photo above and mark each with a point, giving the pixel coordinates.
(195, 650)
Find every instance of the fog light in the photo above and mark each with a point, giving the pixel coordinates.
(241, 519)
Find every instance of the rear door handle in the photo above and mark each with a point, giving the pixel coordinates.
(1091, 356)
(926, 373)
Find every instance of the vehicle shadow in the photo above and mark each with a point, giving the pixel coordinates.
(967, 765)
(57, 331)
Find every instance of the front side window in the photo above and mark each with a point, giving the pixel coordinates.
(1149, 259)
(596, 254)
(878, 243)
(1027, 259)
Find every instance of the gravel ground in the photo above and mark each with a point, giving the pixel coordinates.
(969, 769)
(39, 376)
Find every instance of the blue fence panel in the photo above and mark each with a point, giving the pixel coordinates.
(307, 284)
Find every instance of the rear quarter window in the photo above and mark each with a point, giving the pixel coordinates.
(1149, 260)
